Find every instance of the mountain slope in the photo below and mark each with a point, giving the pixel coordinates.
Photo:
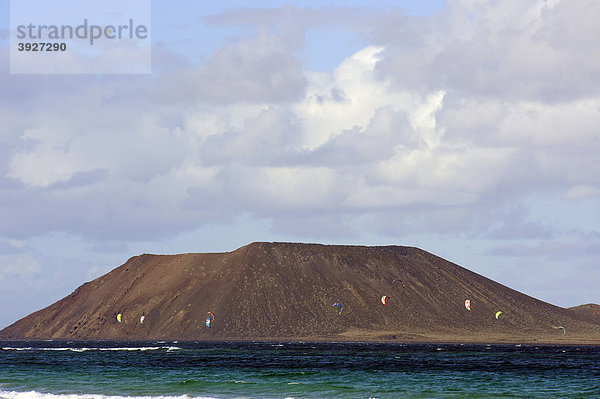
(589, 312)
(286, 291)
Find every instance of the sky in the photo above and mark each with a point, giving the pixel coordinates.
(467, 128)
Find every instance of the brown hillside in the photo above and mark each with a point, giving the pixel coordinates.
(589, 312)
(285, 291)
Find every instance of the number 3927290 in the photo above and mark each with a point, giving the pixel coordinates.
(41, 46)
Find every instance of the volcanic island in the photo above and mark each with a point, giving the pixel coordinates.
(305, 292)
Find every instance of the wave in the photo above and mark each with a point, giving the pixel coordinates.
(74, 349)
(39, 395)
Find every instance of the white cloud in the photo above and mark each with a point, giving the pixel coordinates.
(512, 49)
(48, 162)
(346, 98)
(451, 124)
(354, 141)
(446, 176)
(23, 267)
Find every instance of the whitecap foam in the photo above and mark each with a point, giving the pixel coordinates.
(72, 349)
(39, 395)
(9, 348)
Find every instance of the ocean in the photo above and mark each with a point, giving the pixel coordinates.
(114, 370)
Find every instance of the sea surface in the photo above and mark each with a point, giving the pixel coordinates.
(111, 370)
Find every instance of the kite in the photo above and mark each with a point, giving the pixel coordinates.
(400, 281)
(498, 313)
(468, 304)
(209, 320)
(561, 327)
(340, 305)
(384, 299)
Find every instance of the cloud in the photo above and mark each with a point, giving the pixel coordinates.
(555, 250)
(259, 69)
(291, 23)
(266, 139)
(361, 145)
(511, 50)
(582, 192)
(11, 246)
(17, 266)
(442, 125)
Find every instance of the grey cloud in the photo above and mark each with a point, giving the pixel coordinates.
(258, 70)
(264, 68)
(28, 92)
(554, 250)
(141, 134)
(315, 226)
(110, 211)
(219, 203)
(81, 179)
(261, 69)
(500, 218)
(408, 51)
(267, 139)
(291, 23)
(568, 166)
(418, 218)
(377, 141)
(519, 229)
(271, 139)
(166, 59)
(499, 50)
(6, 248)
(237, 192)
(109, 246)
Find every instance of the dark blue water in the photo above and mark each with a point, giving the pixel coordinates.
(86, 370)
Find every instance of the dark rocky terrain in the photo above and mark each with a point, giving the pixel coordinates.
(285, 291)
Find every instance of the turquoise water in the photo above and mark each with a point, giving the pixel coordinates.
(106, 370)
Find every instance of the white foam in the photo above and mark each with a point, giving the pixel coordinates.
(16, 349)
(39, 395)
(141, 348)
